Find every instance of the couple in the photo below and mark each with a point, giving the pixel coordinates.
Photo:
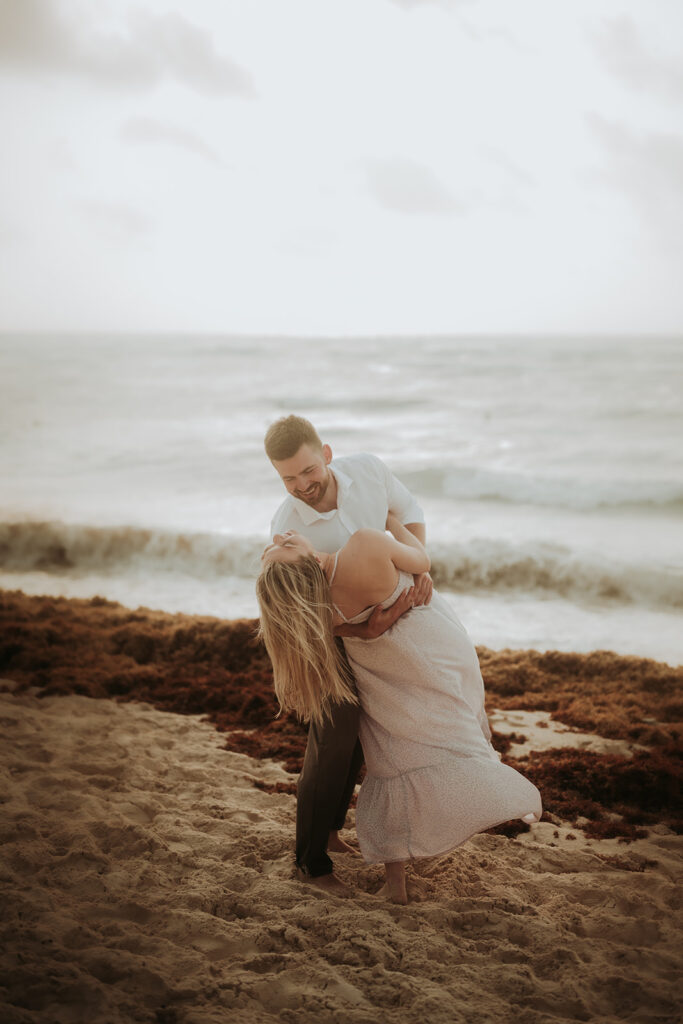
(407, 696)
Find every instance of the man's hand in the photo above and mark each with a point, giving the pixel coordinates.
(381, 619)
(423, 589)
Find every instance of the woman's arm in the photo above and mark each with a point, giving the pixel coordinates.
(405, 550)
(366, 573)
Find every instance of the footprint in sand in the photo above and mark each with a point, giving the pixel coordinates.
(242, 817)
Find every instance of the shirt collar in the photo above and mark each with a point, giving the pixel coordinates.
(309, 515)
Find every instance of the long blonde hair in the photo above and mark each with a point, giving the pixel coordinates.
(309, 671)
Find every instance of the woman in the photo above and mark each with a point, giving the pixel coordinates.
(433, 778)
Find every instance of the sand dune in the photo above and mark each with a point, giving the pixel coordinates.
(147, 877)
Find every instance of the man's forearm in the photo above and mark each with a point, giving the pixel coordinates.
(359, 629)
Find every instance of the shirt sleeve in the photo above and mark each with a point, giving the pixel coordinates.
(399, 499)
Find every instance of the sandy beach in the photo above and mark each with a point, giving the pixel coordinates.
(447, 235)
(148, 824)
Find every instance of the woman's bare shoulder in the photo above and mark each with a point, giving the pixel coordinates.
(365, 542)
(365, 569)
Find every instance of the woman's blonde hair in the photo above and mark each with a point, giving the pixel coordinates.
(309, 671)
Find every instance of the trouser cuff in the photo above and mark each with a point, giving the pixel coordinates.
(322, 867)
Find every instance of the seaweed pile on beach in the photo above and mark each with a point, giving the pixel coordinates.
(200, 665)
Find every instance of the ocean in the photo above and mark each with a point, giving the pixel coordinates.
(550, 471)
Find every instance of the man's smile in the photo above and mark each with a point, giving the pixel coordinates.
(312, 494)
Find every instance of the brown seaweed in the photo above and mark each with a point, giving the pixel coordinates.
(201, 665)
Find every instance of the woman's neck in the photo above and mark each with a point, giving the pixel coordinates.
(327, 563)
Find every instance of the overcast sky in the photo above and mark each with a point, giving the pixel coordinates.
(341, 166)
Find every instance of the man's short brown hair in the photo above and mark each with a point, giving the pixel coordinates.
(285, 437)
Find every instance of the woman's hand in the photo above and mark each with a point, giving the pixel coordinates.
(423, 589)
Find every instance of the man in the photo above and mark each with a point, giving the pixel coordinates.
(328, 501)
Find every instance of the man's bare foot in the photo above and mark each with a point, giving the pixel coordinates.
(329, 883)
(335, 844)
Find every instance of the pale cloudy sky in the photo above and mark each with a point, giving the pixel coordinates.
(341, 166)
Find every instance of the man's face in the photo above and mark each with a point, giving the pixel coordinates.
(306, 475)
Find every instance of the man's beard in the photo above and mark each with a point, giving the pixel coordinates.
(317, 494)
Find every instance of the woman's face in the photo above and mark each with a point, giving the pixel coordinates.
(287, 547)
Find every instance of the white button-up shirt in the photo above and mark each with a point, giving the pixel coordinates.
(366, 492)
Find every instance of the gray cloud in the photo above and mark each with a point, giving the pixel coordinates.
(312, 242)
(475, 33)
(408, 5)
(149, 131)
(648, 170)
(518, 176)
(39, 35)
(409, 187)
(502, 33)
(623, 53)
(118, 221)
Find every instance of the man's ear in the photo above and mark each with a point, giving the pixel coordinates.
(327, 454)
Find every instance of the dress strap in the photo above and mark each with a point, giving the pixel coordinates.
(339, 612)
(334, 568)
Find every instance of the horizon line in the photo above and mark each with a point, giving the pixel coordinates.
(304, 336)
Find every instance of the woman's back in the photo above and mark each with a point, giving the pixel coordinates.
(404, 582)
(366, 574)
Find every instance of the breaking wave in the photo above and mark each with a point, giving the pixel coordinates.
(471, 484)
(57, 547)
(478, 566)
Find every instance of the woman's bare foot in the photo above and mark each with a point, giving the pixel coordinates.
(395, 887)
(335, 844)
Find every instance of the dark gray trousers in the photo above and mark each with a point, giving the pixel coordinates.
(331, 765)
